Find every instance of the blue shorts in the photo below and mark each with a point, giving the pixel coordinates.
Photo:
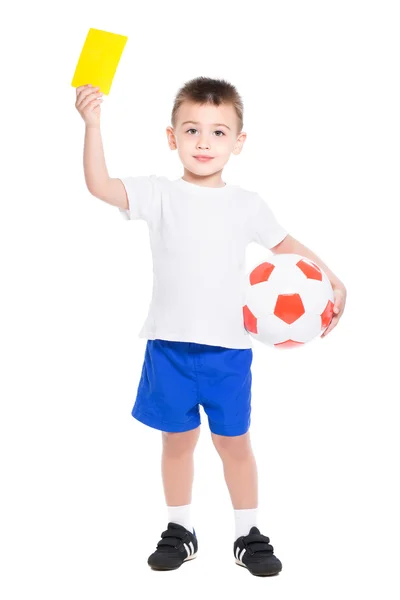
(179, 376)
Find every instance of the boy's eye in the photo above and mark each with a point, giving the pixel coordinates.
(218, 131)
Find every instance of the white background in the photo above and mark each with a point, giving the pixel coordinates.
(82, 504)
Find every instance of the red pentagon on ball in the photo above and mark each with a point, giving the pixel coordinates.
(327, 315)
(261, 273)
(288, 344)
(310, 269)
(289, 308)
(250, 320)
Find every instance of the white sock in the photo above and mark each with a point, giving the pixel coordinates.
(180, 515)
(245, 519)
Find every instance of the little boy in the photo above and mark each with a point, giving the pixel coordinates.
(198, 351)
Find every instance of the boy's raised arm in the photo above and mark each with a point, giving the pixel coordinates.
(98, 181)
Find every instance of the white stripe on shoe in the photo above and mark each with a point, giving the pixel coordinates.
(190, 551)
(239, 555)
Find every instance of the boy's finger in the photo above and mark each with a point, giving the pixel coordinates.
(84, 87)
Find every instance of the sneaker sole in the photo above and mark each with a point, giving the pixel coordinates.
(238, 562)
(174, 568)
(190, 557)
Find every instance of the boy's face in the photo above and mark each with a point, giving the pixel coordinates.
(205, 130)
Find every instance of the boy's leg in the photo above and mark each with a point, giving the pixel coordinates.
(178, 466)
(178, 542)
(240, 469)
(251, 549)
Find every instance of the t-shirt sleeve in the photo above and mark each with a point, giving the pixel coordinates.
(142, 192)
(265, 228)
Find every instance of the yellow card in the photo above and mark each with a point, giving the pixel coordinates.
(99, 59)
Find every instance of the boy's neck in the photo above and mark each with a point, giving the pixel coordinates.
(213, 180)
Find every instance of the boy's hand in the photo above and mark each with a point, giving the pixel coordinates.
(340, 294)
(88, 99)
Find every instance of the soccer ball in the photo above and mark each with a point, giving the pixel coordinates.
(289, 301)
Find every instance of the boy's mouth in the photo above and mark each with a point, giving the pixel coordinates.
(202, 158)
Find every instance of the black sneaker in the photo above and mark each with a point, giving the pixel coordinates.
(254, 552)
(176, 546)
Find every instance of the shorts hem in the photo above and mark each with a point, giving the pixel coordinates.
(170, 427)
(229, 430)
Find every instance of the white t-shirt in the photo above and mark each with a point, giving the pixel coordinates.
(198, 238)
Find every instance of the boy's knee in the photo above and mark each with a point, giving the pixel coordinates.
(237, 446)
(180, 442)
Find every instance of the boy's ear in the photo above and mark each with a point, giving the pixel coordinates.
(171, 138)
(239, 143)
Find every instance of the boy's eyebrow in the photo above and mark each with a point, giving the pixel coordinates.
(215, 124)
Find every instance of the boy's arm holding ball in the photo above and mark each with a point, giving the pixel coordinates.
(98, 181)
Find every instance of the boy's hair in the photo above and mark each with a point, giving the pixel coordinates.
(204, 90)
